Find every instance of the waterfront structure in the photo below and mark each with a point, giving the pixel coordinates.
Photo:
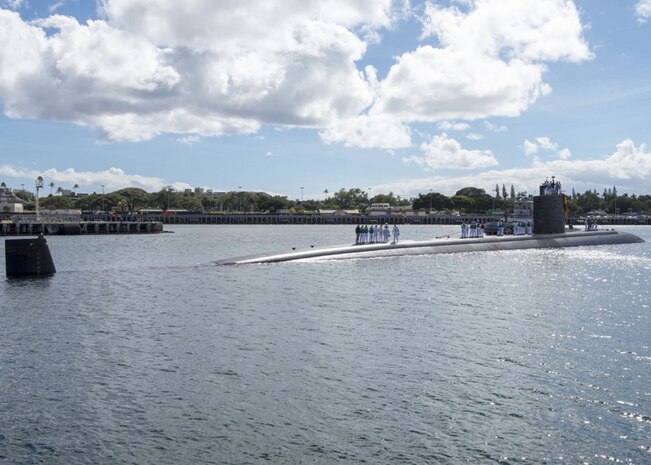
(9, 202)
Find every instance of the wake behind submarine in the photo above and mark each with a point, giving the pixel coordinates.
(548, 232)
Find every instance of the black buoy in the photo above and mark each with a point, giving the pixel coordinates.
(28, 257)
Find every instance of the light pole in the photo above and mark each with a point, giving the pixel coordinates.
(240, 199)
(430, 201)
(301, 195)
(39, 185)
(369, 196)
(102, 198)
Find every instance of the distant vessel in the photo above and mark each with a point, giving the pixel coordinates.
(548, 231)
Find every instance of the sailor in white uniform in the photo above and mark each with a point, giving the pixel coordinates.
(396, 233)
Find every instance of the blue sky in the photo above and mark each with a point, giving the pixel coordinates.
(392, 96)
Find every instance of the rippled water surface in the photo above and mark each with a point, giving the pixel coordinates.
(140, 350)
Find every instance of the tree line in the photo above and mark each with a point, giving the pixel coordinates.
(467, 200)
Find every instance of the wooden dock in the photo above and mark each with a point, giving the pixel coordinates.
(76, 228)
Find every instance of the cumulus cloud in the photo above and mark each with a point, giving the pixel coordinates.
(495, 128)
(629, 168)
(191, 67)
(564, 154)
(444, 152)
(195, 67)
(489, 60)
(112, 178)
(13, 4)
(530, 148)
(188, 140)
(369, 131)
(643, 10)
(453, 126)
(545, 143)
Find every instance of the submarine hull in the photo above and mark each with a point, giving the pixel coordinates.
(436, 246)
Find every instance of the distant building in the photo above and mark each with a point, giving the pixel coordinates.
(9, 202)
(384, 209)
(326, 212)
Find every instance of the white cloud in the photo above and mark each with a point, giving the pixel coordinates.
(367, 132)
(12, 4)
(489, 60)
(453, 126)
(55, 6)
(197, 67)
(112, 178)
(545, 143)
(191, 67)
(268, 154)
(564, 154)
(530, 148)
(629, 168)
(643, 10)
(473, 136)
(494, 128)
(188, 140)
(444, 152)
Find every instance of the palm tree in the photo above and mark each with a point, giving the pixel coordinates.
(51, 187)
(2, 184)
(60, 190)
(74, 188)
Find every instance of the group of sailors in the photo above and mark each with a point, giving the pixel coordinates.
(551, 187)
(591, 224)
(520, 228)
(472, 229)
(476, 229)
(374, 234)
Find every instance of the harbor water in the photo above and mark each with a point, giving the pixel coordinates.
(140, 350)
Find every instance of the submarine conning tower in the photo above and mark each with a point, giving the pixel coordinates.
(548, 209)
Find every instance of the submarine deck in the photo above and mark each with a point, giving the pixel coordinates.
(444, 245)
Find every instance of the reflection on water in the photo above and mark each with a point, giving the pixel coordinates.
(139, 351)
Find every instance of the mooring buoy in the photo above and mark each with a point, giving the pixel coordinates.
(28, 257)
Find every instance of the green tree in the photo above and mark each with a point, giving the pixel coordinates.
(56, 203)
(92, 202)
(271, 203)
(25, 195)
(587, 202)
(480, 199)
(438, 201)
(353, 198)
(134, 198)
(463, 203)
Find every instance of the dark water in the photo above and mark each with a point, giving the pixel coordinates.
(140, 351)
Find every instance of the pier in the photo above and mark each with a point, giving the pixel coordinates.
(75, 228)
(269, 218)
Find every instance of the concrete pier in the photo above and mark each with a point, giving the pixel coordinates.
(84, 227)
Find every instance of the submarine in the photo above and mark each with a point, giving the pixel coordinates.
(549, 231)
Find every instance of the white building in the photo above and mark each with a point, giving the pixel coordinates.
(9, 203)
